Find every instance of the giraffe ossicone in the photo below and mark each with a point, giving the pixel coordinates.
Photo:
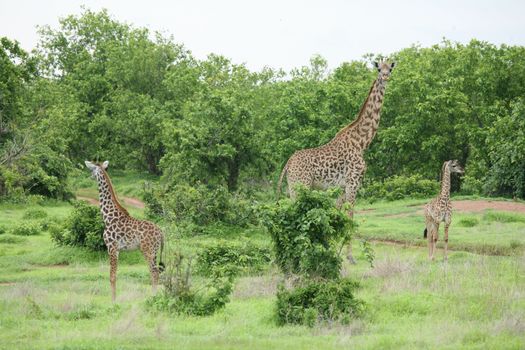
(340, 162)
(124, 232)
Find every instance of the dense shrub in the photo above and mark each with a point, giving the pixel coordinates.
(26, 229)
(399, 187)
(315, 302)
(308, 233)
(198, 206)
(82, 228)
(3, 229)
(244, 258)
(180, 297)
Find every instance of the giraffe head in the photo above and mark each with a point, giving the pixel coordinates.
(454, 167)
(96, 169)
(384, 69)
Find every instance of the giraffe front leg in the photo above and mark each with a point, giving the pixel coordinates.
(113, 262)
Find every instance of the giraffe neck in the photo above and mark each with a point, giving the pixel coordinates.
(361, 132)
(109, 205)
(444, 194)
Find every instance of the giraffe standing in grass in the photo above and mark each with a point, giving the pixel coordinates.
(123, 232)
(340, 162)
(439, 209)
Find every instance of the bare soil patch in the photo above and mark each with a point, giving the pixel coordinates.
(475, 206)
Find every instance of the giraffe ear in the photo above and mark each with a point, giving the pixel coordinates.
(90, 165)
(376, 64)
(105, 165)
(392, 65)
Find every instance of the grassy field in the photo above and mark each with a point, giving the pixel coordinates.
(59, 297)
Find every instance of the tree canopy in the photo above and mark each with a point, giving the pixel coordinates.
(97, 88)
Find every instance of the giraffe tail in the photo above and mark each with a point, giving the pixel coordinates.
(280, 182)
(425, 233)
(162, 267)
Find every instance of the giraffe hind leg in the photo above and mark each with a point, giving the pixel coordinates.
(150, 256)
(445, 256)
(113, 262)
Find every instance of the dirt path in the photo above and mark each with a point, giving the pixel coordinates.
(132, 202)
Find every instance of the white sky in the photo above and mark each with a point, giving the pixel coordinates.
(285, 34)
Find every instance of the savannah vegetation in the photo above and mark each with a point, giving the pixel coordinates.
(201, 143)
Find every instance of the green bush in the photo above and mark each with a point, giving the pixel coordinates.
(308, 233)
(198, 206)
(468, 222)
(34, 214)
(316, 302)
(244, 258)
(399, 187)
(471, 186)
(501, 216)
(179, 297)
(84, 227)
(26, 229)
(2, 229)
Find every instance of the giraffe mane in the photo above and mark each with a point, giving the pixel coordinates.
(112, 191)
(358, 115)
(443, 171)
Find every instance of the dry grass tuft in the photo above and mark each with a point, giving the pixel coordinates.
(128, 323)
(389, 267)
(259, 286)
(513, 323)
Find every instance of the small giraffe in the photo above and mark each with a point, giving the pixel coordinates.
(440, 209)
(123, 232)
(340, 162)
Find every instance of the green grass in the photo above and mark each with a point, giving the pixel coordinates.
(59, 297)
(487, 232)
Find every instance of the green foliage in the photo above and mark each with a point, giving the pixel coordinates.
(10, 239)
(179, 297)
(468, 222)
(26, 229)
(307, 233)
(32, 214)
(399, 187)
(244, 258)
(501, 216)
(318, 302)
(368, 252)
(506, 145)
(197, 206)
(84, 227)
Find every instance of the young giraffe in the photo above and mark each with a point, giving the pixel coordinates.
(440, 209)
(340, 162)
(123, 232)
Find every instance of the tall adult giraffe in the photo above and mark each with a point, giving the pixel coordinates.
(123, 232)
(440, 210)
(340, 162)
